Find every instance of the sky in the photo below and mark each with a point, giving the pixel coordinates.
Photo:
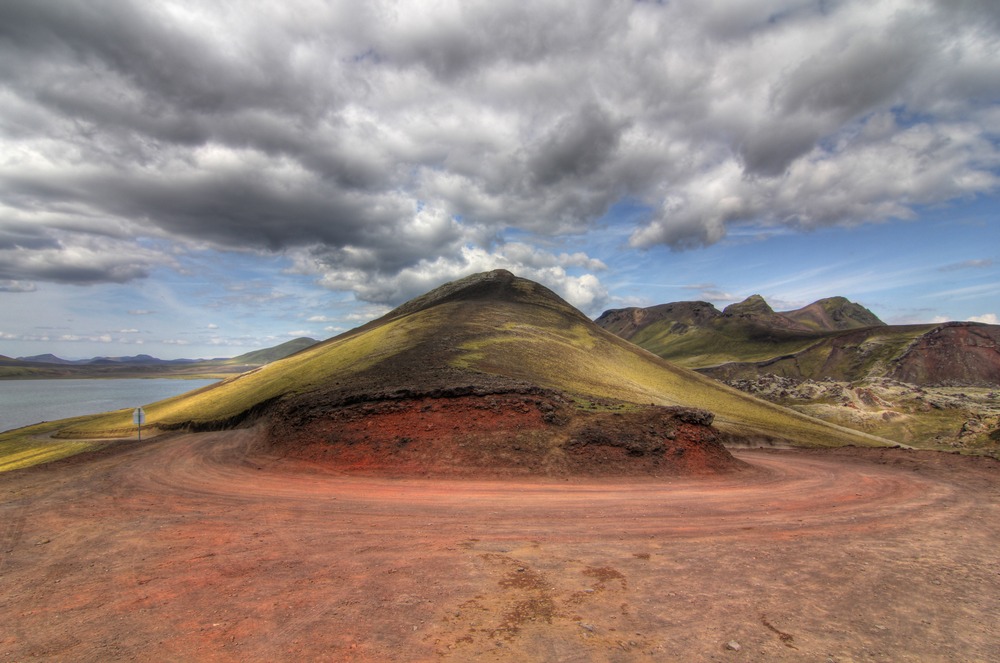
(202, 179)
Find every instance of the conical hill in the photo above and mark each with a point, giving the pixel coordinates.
(496, 349)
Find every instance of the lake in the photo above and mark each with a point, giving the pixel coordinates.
(26, 402)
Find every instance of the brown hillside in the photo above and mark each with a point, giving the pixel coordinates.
(834, 314)
(956, 353)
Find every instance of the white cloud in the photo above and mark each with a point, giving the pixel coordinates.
(11, 285)
(987, 318)
(983, 263)
(583, 291)
(397, 144)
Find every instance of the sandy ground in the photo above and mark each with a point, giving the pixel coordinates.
(188, 548)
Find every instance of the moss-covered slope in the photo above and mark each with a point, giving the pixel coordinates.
(490, 331)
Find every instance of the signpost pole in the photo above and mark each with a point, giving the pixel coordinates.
(139, 418)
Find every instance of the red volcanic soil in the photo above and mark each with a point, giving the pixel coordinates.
(500, 435)
(201, 547)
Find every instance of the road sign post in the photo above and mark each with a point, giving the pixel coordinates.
(139, 418)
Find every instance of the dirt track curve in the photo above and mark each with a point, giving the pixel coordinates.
(191, 548)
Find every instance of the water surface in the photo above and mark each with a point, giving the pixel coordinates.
(26, 402)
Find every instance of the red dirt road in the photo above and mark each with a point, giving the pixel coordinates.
(193, 548)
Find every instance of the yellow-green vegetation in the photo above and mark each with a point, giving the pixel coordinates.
(936, 429)
(228, 400)
(481, 330)
(31, 445)
(697, 347)
(844, 358)
(736, 349)
(966, 419)
(543, 347)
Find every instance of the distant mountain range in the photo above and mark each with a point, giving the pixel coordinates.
(51, 366)
(831, 338)
(135, 359)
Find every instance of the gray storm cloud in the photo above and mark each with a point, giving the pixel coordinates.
(386, 146)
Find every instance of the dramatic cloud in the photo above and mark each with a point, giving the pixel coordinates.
(385, 147)
(584, 291)
(9, 285)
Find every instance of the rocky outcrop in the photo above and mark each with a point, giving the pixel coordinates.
(955, 353)
(937, 417)
(752, 306)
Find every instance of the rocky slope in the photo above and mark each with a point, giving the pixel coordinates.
(930, 385)
(949, 354)
(965, 418)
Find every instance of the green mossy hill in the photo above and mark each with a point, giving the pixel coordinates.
(488, 333)
(753, 317)
(834, 314)
(267, 355)
(831, 338)
(950, 354)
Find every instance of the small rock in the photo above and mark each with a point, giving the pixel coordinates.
(587, 627)
(732, 645)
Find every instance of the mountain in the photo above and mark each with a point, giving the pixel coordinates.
(831, 338)
(143, 365)
(47, 359)
(494, 372)
(831, 314)
(696, 334)
(834, 314)
(267, 355)
(133, 360)
(948, 354)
